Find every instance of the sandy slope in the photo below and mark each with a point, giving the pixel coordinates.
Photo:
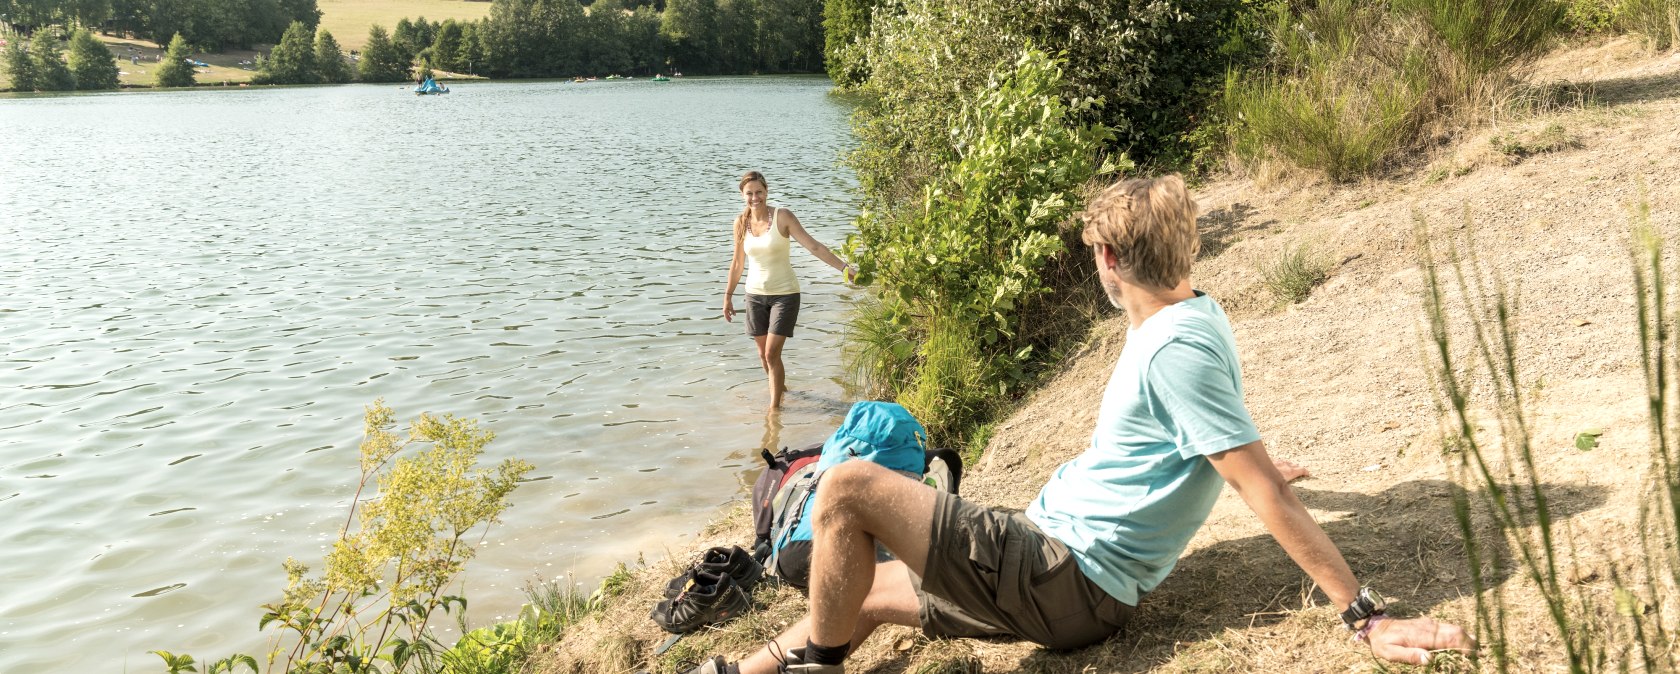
(1339, 384)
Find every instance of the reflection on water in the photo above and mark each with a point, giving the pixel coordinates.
(201, 290)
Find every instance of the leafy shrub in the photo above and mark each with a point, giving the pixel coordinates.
(1589, 16)
(1656, 21)
(953, 271)
(1148, 66)
(384, 581)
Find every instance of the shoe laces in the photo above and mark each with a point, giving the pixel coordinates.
(777, 652)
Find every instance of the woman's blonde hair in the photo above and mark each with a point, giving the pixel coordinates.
(1151, 225)
(748, 177)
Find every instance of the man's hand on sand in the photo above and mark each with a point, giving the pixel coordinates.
(1414, 641)
(1290, 470)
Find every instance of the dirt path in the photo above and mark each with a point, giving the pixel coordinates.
(1339, 384)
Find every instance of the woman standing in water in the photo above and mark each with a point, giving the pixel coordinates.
(761, 237)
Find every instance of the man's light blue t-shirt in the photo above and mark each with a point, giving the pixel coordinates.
(1128, 506)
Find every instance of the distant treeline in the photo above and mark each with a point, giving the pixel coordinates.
(208, 24)
(520, 38)
(562, 38)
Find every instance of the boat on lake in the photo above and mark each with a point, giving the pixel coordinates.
(430, 86)
(661, 78)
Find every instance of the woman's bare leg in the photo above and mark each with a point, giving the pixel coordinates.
(773, 365)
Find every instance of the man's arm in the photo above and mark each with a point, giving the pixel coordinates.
(1266, 491)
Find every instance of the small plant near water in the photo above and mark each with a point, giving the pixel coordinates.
(1294, 272)
(1505, 511)
(399, 550)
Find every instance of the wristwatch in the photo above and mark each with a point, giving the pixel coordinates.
(1367, 604)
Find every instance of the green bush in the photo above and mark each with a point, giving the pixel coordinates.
(1149, 66)
(293, 60)
(19, 66)
(51, 72)
(1353, 86)
(399, 550)
(1589, 16)
(953, 271)
(91, 62)
(1344, 96)
(1656, 21)
(173, 70)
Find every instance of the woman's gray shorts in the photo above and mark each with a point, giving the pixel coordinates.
(773, 314)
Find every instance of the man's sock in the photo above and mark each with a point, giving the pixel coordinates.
(826, 655)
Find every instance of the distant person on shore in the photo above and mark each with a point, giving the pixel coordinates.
(1110, 524)
(762, 232)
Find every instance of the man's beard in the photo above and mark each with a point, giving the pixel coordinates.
(1112, 290)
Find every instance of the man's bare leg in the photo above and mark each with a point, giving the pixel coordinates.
(891, 601)
(860, 503)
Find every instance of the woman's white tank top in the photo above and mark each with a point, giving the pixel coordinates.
(768, 270)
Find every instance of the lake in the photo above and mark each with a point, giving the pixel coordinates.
(200, 291)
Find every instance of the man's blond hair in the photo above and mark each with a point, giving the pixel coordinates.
(1151, 225)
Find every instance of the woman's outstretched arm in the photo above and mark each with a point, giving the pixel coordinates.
(797, 232)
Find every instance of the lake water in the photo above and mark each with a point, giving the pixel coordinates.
(199, 292)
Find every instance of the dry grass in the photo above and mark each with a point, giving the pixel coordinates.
(1338, 384)
(349, 20)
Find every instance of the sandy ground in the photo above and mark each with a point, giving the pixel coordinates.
(1339, 383)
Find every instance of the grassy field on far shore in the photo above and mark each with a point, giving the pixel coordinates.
(349, 20)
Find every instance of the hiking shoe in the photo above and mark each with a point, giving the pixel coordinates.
(709, 599)
(732, 561)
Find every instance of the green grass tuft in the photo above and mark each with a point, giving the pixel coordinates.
(1292, 275)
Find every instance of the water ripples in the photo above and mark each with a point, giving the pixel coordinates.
(192, 323)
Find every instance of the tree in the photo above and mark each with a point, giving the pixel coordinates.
(329, 59)
(174, 71)
(446, 49)
(382, 60)
(307, 11)
(293, 60)
(91, 62)
(51, 73)
(691, 28)
(19, 65)
(406, 37)
(471, 54)
(845, 25)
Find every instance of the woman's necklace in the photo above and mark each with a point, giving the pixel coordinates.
(768, 221)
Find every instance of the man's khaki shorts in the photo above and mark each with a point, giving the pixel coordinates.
(994, 573)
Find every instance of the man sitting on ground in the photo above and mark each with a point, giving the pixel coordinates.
(1111, 523)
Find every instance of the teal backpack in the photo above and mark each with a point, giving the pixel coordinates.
(879, 432)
